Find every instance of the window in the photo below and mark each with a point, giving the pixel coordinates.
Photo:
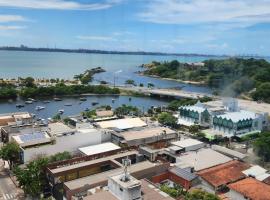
(121, 189)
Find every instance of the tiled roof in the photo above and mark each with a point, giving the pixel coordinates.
(251, 188)
(225, 173)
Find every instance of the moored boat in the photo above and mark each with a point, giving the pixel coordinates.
(40, 108)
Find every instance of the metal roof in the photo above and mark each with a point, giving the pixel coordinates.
(183, 173)
(187, 143)
(99, 148)
(238, 116)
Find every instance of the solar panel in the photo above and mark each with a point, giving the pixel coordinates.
(34, 136)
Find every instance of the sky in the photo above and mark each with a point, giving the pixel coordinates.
(232, 27)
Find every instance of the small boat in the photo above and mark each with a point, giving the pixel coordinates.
(30, 99)
(40, 108)
(113, 100)
(61, 111)
(28, 102)
(83, 99)
(19, 105)
(68, 104)
(57, 99)
(94, 103)
(46, 101)
(86, 109)
(129, 98)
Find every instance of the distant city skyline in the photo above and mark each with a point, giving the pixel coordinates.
(175, 26)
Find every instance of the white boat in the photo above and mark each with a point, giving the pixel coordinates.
(68, 104)
(28, 102)
(30, 99)
(61, 111)
(40, 108)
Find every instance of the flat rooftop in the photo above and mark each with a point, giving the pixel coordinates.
(99, 148)
(244, 104)
(187, 143)
(201, 159)
(90, 162)
(31, 139)
(59, 129)
(145, 133)
(148, 189)
(122, 124)
(103, 177)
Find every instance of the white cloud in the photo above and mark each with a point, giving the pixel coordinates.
(236, 12)
(6, 28)
(98, 38)
(11, 18)
(58, 4)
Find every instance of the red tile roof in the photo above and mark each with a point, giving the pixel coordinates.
(225, 173)
(252, 189)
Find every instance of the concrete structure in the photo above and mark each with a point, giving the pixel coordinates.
(148, 192)
(249, 188)
(61, 142)
(229, 152)
(99, 148)
(122, 124)
(144, 136)
(32, 139)
(257, 172)
(125, 187)
(194, 114)
(15, 119)
(181, 176)
(59, 129)
(201, 159)
(189, 144)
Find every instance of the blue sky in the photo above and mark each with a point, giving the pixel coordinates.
(180, 26)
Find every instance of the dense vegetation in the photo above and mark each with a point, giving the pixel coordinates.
(200, 195)
(10, 152)
(62, 89)
(262, 147)
(32, 178)
(88, 75)
(127, 110)
(233, 76)
(167, 119)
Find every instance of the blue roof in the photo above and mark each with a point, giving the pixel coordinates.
(32, 136)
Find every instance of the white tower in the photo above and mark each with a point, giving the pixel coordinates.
(123, 186)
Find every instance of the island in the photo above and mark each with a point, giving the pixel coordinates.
(249, 78)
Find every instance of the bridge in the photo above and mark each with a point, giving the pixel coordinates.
(166, 92)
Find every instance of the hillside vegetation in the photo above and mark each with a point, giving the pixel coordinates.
(232, 77)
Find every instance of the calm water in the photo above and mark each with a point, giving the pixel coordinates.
(66, 65)
(77, 106)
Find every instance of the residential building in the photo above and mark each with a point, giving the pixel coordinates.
(216, 179)
(249, 188)
(188, 144)
(144, 136)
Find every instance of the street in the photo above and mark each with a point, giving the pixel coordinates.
(7, 188)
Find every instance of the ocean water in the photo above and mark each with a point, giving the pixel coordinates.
(118, 68)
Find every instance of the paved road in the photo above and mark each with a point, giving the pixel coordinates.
(8, 190)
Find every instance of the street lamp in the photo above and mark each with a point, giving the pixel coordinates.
(114, 74)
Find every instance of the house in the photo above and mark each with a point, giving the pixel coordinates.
(144, 136)
(188, 144)
(216, 179)
(249, 188)
(201, 159)
(184, 177)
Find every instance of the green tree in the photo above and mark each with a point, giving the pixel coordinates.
(150, 85)
(200, 195)
(127, 110)
(130, 82)
(262, 147)
(10, 152)
(56, 117)
(32, 178)
(262, 93)
(60, 156)
(167, 119)
(29, 82)
(194, 129)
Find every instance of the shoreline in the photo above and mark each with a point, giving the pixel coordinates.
(176, 80)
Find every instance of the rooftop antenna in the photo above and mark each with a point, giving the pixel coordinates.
(126, 162)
